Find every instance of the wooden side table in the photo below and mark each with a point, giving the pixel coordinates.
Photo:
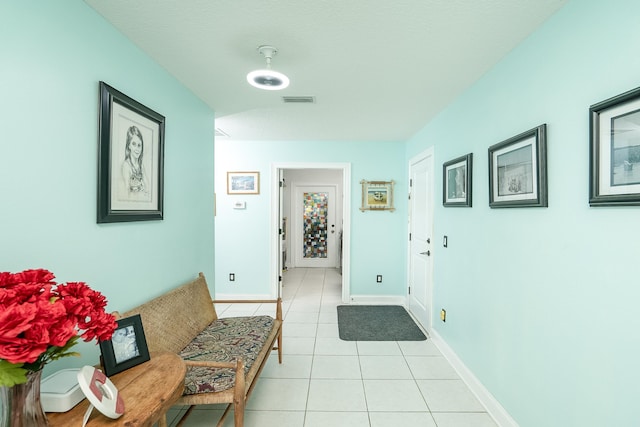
(148, 391)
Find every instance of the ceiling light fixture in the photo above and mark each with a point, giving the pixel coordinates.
(267, 79)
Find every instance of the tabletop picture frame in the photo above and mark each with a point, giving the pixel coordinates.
(456, 181)
(126, 348)
(377, 196)
(243, 182)
(614, 160)
(518, 170)
(130, 159)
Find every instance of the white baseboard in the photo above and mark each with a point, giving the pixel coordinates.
(497, 412)
(242, 296)
(378, 300)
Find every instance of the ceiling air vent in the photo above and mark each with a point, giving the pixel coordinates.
(299, 99)
(220, 132)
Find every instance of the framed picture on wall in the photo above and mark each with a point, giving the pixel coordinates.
(130, 159)
(518, 170)
(615, 151)
(456, 181)
(377, 196)
(243, 182)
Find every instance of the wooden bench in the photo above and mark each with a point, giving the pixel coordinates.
(224, 356)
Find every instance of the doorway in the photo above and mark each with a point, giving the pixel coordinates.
(286, 177)
(420, 237)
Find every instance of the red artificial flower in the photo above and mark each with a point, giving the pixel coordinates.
(21, 350)
(16, 319)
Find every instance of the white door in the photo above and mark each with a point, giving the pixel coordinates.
(420, 243)
(314, 237)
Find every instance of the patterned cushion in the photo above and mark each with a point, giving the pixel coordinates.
(223, 341)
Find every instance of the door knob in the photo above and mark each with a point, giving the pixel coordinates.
(428, 239)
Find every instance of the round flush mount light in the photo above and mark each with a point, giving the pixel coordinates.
(267, 79)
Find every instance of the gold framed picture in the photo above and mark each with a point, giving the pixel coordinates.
(377, 196)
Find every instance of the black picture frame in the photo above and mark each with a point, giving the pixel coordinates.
(126, 348)
(130, 185)
(456, 182)
(614, 155)
(518, 170)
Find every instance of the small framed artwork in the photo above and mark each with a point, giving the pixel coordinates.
(130, 159)
(456, 179)
(615, 151)
(518, 170)
(126, 348)
(243, 182)
(377, 196)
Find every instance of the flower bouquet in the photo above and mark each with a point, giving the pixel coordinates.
(40, 320)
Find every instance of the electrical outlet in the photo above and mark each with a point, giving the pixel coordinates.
(379, 278)
(443, 315)
(232, 277)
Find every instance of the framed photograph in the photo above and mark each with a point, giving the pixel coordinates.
(518, 170)
(243, 182)
(130, 159)
(377, 196)
(126, 348)
(456, 181)
(615, 151)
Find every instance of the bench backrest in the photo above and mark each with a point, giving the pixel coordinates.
(173, 319)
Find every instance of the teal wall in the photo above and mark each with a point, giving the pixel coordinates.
(242, 236)
(53, 55)
(542, 303)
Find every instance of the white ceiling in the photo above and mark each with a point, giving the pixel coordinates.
(378, 69)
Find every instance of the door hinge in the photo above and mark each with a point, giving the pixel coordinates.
(279, 278)
(409, 290)
(411, 182)
(409, 236)
(279, 231)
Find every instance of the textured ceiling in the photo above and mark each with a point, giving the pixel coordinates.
(379, 70)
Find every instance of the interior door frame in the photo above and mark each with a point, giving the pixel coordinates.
(276, 169)
(428, 155)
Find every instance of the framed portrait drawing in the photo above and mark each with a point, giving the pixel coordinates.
(456, 181)
(615, 151)
(130, 159)
(243, 182)
(518, 170)
(377, 196)
(126, 348)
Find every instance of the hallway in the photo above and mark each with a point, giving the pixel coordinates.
(327, 382)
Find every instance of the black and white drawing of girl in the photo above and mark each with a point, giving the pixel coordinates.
(134, 175)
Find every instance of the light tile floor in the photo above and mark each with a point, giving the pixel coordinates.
(324, 381)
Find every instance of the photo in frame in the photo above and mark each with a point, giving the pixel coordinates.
(456, 181)
(615, 151)
(126, 348)
(377, 196)
(130, 159)
(518, 170)
(243, 182)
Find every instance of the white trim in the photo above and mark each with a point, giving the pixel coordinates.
(244, 297)
(493, 407)
(378, 300)
(346, 220)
